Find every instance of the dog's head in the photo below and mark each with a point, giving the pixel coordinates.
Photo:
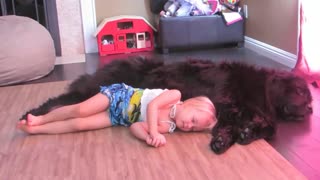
(290, 96)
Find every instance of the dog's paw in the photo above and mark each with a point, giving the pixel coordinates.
(220, 143)
(250, 134)
(258, 128)
(246, 136)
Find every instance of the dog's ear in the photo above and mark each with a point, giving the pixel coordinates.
(277, 78)
(300, 91)
(277, 83)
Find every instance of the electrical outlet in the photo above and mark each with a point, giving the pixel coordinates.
(245, 10)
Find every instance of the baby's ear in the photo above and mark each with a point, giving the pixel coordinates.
(207, 131)
(210, 127)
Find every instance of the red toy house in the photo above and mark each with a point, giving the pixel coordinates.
(124, 34)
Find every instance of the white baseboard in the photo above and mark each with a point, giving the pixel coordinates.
(276, 54)
(70, 59)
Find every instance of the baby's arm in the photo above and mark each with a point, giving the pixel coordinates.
(165, 99)
(140, 131)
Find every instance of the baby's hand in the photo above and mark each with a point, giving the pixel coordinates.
(156, 140)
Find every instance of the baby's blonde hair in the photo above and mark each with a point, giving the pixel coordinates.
(203, 104)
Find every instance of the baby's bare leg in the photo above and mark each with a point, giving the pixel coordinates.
(97, 121)
(86, 108)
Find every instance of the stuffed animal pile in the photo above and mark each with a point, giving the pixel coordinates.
(178, 8)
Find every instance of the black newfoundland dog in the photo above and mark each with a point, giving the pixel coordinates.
(249, 100)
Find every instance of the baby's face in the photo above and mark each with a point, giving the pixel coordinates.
(190, 119)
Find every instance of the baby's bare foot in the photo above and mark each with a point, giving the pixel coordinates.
(34, 120)
(22, 125)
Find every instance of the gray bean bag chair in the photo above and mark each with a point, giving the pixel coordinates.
(26, 50)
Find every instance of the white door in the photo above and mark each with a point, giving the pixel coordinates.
(141, 40)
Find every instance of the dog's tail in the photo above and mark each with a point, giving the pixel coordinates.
(55, 102)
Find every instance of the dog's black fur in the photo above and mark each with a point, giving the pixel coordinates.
(248, 99)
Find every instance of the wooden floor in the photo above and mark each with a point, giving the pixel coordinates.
(297, 142)
(113, 153)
